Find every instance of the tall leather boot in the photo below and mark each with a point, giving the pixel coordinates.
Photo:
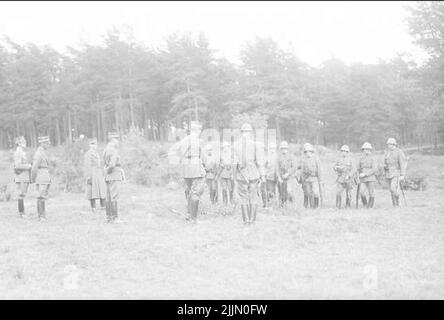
(397, 201)
(347, 201)
(39, 208)
(393, 200)
(253, 213)
(338, 202)
(92, 203)
(21, 207)
(371, 202)
(102, 203)
(194, 204)
(224, 197)
(315, 202)
(244, 209)
(364, 201)
(109, 212)
(115, 207)
(305, 201)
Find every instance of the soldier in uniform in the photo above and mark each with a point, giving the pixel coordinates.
(95, 182)
(225, 173)
(22, 171)
(193, 171)
(248, 173)
(40, 175)
(268, 189)
(114, 175)
(395, 167)
(211, 166)
(367, 169)
(344, 168)
(310, 177)
(285, 170)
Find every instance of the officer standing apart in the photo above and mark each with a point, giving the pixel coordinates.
(95, 182)
(344, 168)
(22, 172)
(367, 169)
(248, 173)
(40, 175)
(193, 171)
(114, 176)
(285, 169)
(310, 176)
(395, 168)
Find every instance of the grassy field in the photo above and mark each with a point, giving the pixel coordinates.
(382, 253)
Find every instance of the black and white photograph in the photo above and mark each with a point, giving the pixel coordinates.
(221, 150)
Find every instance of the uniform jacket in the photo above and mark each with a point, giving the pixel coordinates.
(248, 159)
(22, 168)
(211, 164)
(310, 169)
(40, 167)
(394, 163)
(368, 165)
(226, 166)
(286, 165)
(190, 153)
(111, 160)
(344, 168)
(94, 172)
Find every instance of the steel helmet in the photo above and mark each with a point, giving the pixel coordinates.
(345, 148)
(391, 141)
(283, 145)
(367, 145)
(308, 147)
(195, 125)
(246, 127)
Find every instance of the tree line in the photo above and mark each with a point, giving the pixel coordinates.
(122, 84)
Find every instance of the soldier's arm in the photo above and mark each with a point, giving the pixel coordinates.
(112, 162)
(18, 163)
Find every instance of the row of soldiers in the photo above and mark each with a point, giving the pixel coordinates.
(241, 171)
(102, 182)
(245, 174)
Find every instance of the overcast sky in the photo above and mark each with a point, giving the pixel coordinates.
(314, 31)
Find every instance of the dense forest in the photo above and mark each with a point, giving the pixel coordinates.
(120, 84)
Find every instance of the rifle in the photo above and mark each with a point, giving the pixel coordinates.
(357, 193)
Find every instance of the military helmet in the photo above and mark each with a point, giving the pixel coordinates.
(345, 148)
(195, 125)
(391, 141)
(246, 127)
(113, 135)
(43, 139)
(308, 147)
(19, 140)
(226, 144)
(367, 145)
(283, 145)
